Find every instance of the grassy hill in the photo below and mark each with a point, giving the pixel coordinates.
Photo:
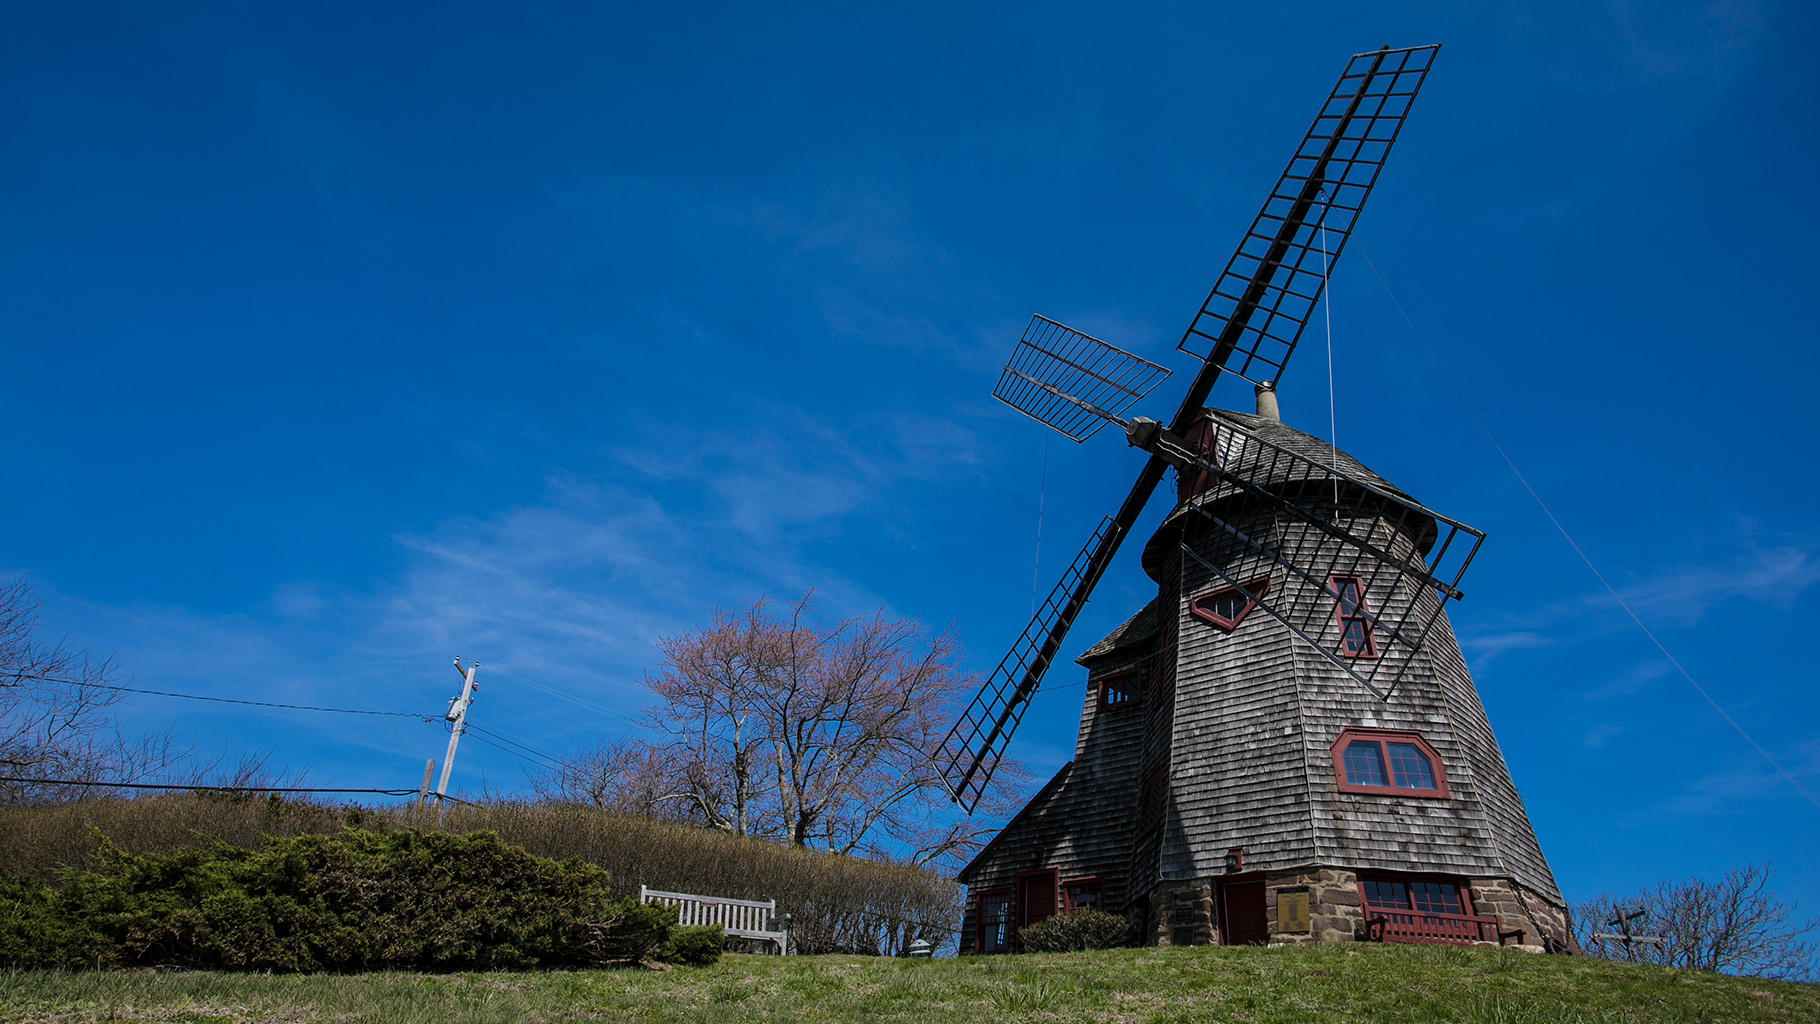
(1330, 984)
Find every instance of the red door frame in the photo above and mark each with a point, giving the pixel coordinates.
(1225, 918)
(1020, 912)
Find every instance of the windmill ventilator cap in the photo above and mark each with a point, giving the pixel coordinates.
(1267, 401)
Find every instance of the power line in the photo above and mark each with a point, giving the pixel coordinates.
(524, 758)
(571, 698)
(231, 700)
(522, 750)
(1570, 541)
(222, 789)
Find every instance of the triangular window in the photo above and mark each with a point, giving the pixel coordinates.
(1227, 608)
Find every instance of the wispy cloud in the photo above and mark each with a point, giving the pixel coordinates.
(1660, 41)
(1680, 595)
(1686, 593)
(1744, 783)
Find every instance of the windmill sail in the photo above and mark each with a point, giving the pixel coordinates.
(1330, 177)
(1072, 382)
(1261, 301)
(978, 739)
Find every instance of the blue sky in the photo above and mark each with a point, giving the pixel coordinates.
(344, 339)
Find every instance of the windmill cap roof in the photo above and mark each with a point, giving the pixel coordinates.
(1272, 474)
(1130, 633)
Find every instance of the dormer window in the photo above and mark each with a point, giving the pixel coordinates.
(1227, 608)
(1387, 763)
(1121, 689)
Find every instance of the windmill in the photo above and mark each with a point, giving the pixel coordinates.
(1290, 577)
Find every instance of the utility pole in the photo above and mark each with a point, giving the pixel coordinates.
(423, 792)
(458, 714)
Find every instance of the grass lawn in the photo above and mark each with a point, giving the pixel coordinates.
(1331, 984)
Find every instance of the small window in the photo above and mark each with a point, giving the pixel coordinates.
(1121, 689)
(1150, 801)
(1227, 608)
(994, 922)
(1421, 897)
(1393, 763)
(1083, 894)
(1356, 639)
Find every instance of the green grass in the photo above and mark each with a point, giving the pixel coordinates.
(1330, 984)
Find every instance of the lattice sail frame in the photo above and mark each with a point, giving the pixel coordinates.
(1319, 196)
(1341, 526)
(1071, 382)
(987, 724)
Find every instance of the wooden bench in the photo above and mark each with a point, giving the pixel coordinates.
(1442, 929)
(740, 919)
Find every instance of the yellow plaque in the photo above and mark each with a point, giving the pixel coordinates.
(1292, 911)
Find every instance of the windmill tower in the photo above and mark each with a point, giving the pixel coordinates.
(1285, 745)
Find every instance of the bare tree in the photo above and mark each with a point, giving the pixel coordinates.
(776, 723)
(707, 704)
(1733, 926)
(55, 721)
(625, 777)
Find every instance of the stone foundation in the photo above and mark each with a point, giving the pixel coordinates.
(1334, 913)
(1184, 912)
(1544, 925)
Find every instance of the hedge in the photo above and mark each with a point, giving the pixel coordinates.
(837, 904)
(353, 901)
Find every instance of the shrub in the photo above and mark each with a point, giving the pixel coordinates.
(1072, 933)
(356, 900)
(696, 946)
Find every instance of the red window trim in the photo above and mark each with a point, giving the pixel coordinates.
(1461, 890)
(1131, 682)
(979, 919)
(1253, 589)
(1383, 736)
(1150, 812)
(1371, 640)
(1094, 880)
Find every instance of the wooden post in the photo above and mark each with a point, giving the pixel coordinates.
(423, 791)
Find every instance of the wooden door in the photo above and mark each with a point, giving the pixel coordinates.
(1247, 924)
(1035, 897)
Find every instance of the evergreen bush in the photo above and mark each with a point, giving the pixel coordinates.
(351, 901)
(1074, 932)
(696, 946)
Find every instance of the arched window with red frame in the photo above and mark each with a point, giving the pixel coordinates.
(1389, 763)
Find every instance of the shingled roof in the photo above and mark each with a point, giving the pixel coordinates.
(1131, 632)
(1291, 440)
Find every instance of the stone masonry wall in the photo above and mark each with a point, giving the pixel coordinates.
(1334, 914)
(1183, 911)
(1181, 914)
(1544, 924)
